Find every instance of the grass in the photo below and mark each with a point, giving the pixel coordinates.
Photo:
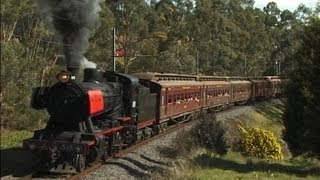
(206, 165)
(234, 166)
(14, 139)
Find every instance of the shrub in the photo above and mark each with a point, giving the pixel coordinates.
(184, 143)
(260, 143)
(209, 133)
(233, 133)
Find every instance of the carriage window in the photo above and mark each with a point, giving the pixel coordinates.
(178, 100)
(170, 99)
(194, 96)
(227, 93)
(162, 100)
(197, 96)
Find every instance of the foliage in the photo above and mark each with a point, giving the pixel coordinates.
(301, 118)
(234, 166)
(100, 47)
(203, 164)
(222, 37)
(25, 63)
(14, 139)
(260, 143)
(266, 115)
(209, 134)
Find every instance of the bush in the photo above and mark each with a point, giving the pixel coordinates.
(208, 134)
(260, 143)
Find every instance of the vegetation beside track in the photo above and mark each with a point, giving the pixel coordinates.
(14, 139)
(15, 161)
(200, 162)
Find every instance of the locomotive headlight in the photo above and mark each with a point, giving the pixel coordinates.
(63, 76)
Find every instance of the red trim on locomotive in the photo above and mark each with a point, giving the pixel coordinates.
(125, 119)
(110, 131)
(96, 102)
(146, 123)
(90, 143)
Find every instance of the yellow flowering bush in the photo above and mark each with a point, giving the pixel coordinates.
(260, 143)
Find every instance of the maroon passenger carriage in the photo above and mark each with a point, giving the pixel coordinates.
(277, 85)
(241, 90)
(260, 87)
(217, 92)
(179, 97)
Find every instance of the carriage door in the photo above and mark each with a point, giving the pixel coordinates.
(233, 91)
(164, 98)
(203, 96)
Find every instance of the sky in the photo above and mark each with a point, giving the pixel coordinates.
(287, 4)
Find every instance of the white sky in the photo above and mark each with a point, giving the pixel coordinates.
(287, 4)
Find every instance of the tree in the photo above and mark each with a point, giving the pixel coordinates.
(131, 26)
(303, 107)
(27, 60)
(100, 49)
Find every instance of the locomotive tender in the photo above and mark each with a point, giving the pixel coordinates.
(107, 111)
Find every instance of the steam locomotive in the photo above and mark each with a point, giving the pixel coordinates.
(107, 111)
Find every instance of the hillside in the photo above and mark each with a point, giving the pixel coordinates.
(204, 163)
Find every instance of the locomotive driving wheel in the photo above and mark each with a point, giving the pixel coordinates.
(80, 162)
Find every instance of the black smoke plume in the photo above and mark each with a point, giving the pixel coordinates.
(73, 20)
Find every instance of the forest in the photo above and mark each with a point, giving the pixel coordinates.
(207, 37)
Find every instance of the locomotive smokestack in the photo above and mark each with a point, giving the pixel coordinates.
(73, 20)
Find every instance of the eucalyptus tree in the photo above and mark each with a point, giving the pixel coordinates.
(203, 29)
(27, 58)
(100, 48)
(252, 42)
(302, 113)
(131, 27)
(173, 43)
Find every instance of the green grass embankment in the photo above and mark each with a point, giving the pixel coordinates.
(204, 164)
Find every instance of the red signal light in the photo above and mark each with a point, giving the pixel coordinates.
(120, 53)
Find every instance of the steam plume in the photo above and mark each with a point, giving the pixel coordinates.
(73, 20)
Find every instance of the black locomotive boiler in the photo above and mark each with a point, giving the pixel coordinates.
(91, 119)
